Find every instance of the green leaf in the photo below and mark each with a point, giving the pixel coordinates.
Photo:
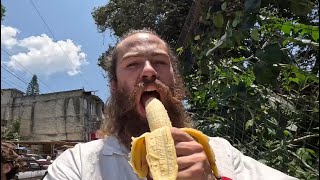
(252, 5)
(300, 7)
(265, 73)
(235, 22)
(315, 35)
(180, 50)
(286, 133)
(249, 124)
(218, 20)
(303, 154)
(204, 67)
(237, 19)
(255, 35)
(224, 6)
(240, 59)
(271, 54)
(311, 152)
(197, 37)
(296, 80)
(286, 29)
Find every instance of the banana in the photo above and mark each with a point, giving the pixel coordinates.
(155, 151)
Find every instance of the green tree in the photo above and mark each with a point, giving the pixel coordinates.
(3, 11)
(33, 87)
(255, 80)
(165, 17)
(12, 132)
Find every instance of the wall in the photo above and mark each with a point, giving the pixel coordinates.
(54, 116)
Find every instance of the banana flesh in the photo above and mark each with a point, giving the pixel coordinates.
(155, 151)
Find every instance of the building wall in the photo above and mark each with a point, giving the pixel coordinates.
(69, 115)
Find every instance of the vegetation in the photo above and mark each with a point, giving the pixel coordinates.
(252, 69)
(33, 87)
(3, 11)
(12, 132)
(165, 17)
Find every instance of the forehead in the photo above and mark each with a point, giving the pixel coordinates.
(141, 43)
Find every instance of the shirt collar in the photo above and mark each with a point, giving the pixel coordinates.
(113, 146)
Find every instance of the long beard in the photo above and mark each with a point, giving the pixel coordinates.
(123, 120)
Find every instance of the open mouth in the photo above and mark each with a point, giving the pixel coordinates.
(143, 98)
(148, 94)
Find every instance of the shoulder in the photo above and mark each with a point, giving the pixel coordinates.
(70, 164)
(91, 145)
(88, 148)
(81, 150)
(218, 141)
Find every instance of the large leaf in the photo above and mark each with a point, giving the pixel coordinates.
(252, 5)
(301, 7)
(271, 54)
(255, 35)
(265, 73)
(218, 20)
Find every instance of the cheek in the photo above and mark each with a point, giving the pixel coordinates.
(126, 86)
(167, 78)
(126, 81)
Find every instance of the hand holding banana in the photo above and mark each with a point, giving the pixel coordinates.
(171, 153)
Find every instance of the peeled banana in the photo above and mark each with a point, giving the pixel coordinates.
(155, 151)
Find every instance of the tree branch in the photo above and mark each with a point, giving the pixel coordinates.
(304, 138)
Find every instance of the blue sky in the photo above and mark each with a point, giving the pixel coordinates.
(63, 59)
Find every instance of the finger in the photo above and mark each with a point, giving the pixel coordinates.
(196, 171)
(179, 135)
(187, 148)
(188, 161)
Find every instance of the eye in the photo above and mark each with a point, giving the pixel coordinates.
(161, 62)
(131, 65)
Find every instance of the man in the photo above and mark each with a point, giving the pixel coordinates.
(11, 162)
(140, 66)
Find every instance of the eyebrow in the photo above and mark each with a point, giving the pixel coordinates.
(130, 55)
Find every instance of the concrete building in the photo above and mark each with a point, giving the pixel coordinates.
(62, 116)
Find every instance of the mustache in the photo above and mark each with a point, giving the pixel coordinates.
(164, 91)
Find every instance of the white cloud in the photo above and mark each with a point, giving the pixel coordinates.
(8, 36)
(44, 56)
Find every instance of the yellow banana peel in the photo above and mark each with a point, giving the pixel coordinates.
(155, 151)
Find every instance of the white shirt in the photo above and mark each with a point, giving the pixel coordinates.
(107, 159)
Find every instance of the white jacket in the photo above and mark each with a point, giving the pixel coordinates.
(107, 159)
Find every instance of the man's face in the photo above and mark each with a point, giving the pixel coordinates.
(142, 57)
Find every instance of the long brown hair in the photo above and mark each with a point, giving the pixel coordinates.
(121, 118)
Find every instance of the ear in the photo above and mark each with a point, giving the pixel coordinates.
(113, 85)
(6, 167)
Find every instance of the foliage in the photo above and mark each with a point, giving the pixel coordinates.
(252, 70)
(12, 132)
(165, 17)
(255, 80)
(3, 11)
(33, 87)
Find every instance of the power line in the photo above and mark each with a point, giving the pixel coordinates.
(7, 83)
(5, 80)
(58, 43)
(22, 80)
(14, 74)
(25, 68)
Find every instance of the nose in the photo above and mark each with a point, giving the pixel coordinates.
(149, 74)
